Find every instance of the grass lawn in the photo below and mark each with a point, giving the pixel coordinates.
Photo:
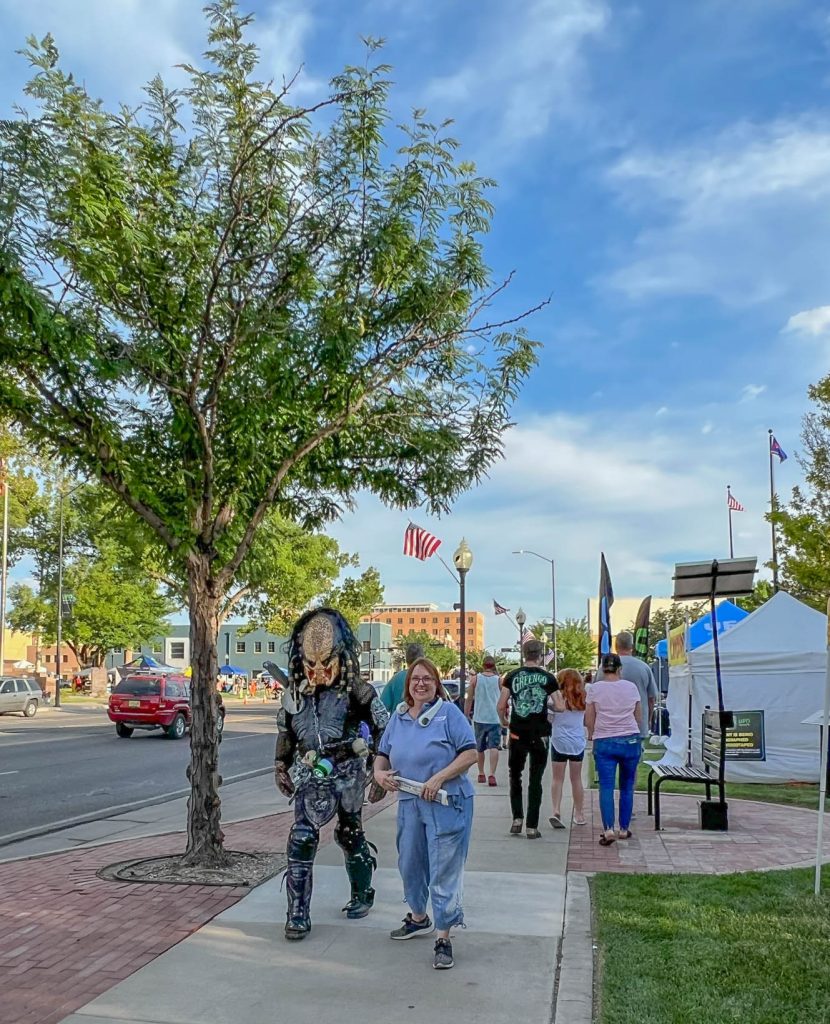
(686, 949)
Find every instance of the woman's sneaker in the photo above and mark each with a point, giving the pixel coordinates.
(410, 928)
(442, 959)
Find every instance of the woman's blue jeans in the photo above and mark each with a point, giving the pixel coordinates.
(432, 848)
(609, 753)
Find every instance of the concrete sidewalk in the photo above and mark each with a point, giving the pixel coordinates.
(239, 969)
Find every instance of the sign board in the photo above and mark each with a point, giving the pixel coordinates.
(745, 740)
(677, 645)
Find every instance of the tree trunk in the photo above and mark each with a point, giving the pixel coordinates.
(204, 834)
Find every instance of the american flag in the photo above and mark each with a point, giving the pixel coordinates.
(734, 504)
(419, 543)
(527, 635)
(499, 609)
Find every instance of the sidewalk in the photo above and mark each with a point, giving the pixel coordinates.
(197, 954)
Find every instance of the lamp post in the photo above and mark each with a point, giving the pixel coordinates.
(463, 560)
(550, 561)
(521, 619)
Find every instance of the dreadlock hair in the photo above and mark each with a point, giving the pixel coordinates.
(346, 647)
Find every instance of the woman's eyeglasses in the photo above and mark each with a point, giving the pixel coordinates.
(416, 680)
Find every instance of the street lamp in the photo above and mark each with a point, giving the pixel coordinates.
(463, 560)
(524, 551)
(521, 619)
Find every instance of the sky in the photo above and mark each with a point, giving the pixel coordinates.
(663, 171)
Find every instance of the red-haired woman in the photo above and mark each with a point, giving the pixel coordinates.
(567, 743)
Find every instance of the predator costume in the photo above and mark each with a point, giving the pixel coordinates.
(327, 716)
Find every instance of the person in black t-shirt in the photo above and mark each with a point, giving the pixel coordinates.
(528, 689)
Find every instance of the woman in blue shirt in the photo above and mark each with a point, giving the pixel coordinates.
(428, 740)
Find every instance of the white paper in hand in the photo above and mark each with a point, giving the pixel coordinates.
(416, 788)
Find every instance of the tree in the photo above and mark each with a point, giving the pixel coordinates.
(575, 648)
(444, 658)
(804, 525)
(272, 308)
(761, 593)
(355, 598)
(669, 619)
(111, 604)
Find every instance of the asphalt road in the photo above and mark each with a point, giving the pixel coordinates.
(67, 764)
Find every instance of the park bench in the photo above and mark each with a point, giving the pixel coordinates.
(715, 724)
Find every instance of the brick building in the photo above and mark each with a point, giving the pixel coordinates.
(444, 626)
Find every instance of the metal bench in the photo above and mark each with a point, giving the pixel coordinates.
(715, 724)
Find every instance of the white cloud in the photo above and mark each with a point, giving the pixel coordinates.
(707, 427)
(662, 410)
(570, 487)
(749, 392)
(117, 46)
(811, 323)
(720, 213)
(528, 69)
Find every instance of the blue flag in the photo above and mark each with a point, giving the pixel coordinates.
(776, 449)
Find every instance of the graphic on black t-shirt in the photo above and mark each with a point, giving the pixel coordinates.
(529, 689)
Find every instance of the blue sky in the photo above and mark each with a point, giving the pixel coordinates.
(664, 171)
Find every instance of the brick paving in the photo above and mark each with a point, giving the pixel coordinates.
(66, 936)
(761, 836)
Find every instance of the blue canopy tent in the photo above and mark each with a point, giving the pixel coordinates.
(727, 615)
(144, 663)
(232, 670)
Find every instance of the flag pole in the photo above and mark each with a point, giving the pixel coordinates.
(822, 786)
(772, 515)
(729, 509)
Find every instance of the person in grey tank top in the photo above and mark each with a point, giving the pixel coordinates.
(482, 700)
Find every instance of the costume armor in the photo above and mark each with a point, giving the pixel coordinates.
(327, 722)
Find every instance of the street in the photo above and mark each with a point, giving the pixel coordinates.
(69, 764)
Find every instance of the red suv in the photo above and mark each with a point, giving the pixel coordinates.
(154, 702)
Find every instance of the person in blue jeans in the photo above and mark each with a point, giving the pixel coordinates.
(613, 719)
(429, 741)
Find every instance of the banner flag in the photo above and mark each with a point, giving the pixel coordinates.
(606, 600)
(499, 609)
(641, 628)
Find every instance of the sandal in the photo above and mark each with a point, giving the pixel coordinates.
(516, 827)
(491, 780)
(556, 822)
(624, 833)
(580, 821)
(606, 840)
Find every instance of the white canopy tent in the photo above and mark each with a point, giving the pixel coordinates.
(774, 661)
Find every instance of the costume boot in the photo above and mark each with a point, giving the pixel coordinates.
(360, 865)
(302, 845)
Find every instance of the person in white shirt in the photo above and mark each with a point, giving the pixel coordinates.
(567, 743)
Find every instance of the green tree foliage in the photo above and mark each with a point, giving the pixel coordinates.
(110, 604)
(222, 303)
(444, 658)
(356, 597)
(804, 525)
(674, 616)
(761, 593)
(574, 646)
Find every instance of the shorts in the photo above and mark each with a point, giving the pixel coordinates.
(555, 756)
(488, 737)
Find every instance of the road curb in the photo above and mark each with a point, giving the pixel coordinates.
(575, 981)
(110, 812)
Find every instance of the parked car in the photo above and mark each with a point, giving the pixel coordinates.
(20, 694)
(147, 701)
(453, 689)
